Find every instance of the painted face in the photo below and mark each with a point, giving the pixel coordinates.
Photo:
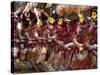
(81, 18)
(51, 20)
(60, 21)
(94, 15)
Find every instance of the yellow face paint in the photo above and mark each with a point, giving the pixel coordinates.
(81, 18)
(51, 20)
(94, 15)
(60, 21)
